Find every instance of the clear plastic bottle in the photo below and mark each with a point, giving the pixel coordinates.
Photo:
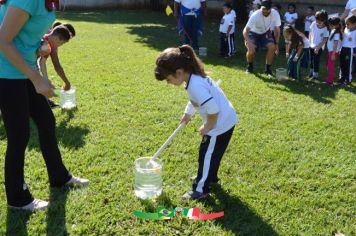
(67, 99)
(148, 178)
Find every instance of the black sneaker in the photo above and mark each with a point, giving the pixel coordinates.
(194, 195)
(249, 69)
(52, 104)
(269, 73)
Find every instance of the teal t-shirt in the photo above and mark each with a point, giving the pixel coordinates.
(29, 37)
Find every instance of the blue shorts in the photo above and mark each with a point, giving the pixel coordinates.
(261, 40)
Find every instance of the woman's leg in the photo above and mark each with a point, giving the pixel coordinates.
(14, 107)
(43, 117)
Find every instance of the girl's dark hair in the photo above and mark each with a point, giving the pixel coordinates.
(56, 24)
(335, 21)
(172, 59)
(351, 19)
(228, 5)
(322, 16)
(68, 26)
(296, 39)
(71, 29)
(299, 24)
(292, 5)
(61, 32)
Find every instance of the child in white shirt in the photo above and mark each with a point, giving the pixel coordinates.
(348, 51)
(291, 16)
(181, 65)
(318, 37)
(226, 30)
(334, 47)
(309, 19)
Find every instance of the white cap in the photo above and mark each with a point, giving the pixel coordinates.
(256, 2)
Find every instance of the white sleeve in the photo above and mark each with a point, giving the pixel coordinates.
(277, 20)
(251, 21)
(296, 15)
(326, 35)
(348, 5)
(210, 106)
(189, 109)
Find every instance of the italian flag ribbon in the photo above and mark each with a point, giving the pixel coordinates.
(169, 213)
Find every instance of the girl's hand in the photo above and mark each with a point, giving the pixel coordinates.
(185, 118)
(203, 130)
(333, 57)
(316, 50)
(43, 86)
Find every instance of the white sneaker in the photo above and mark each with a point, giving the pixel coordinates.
(35, 205)
(75, 181)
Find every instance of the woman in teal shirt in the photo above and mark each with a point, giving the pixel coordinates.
(23, 94)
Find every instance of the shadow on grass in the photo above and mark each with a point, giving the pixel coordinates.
(56, 215)
(16, 222)
(68, 136)
(318, 91)
(238, 218)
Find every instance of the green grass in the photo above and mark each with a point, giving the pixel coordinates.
(290, 168)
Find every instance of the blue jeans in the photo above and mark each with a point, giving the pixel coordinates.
(190, 24)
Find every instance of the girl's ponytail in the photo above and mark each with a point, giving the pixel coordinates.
(172, 59)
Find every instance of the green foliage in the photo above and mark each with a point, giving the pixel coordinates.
(289, 169)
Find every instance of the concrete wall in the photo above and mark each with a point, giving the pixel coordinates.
(105, 4)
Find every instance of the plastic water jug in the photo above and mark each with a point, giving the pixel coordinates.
(281, 74)
(148, 178)
(67, 99)
(203, 52)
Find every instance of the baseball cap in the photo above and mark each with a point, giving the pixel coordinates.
(267, 4)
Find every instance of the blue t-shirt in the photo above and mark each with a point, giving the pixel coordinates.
(29, 37)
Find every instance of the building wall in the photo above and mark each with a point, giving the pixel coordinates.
(105, 4)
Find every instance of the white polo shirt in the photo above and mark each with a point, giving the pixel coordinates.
(349, 39)
(225, 22)
(317, 35)
(330, 43)
(190, 4)
(308, 21)
(289, 17)
(351, 4)
(206, 96)
(260, 24)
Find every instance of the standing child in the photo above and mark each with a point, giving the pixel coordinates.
(256, 4)
(226, 30)
(348, 51)
(299, 28)
(309, 19)
(291, 16)
(181, 65)
(334, 47)
(318, 36)
(294, 51)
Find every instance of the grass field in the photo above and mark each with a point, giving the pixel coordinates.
(290, 168)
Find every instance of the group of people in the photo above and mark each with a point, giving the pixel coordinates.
(305, 39)
(27, 37)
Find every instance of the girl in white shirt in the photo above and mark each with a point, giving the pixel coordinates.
(348, 51)
(181, 65)
(291, 16)
(309, 19)
(334, 47)
(318, 36)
